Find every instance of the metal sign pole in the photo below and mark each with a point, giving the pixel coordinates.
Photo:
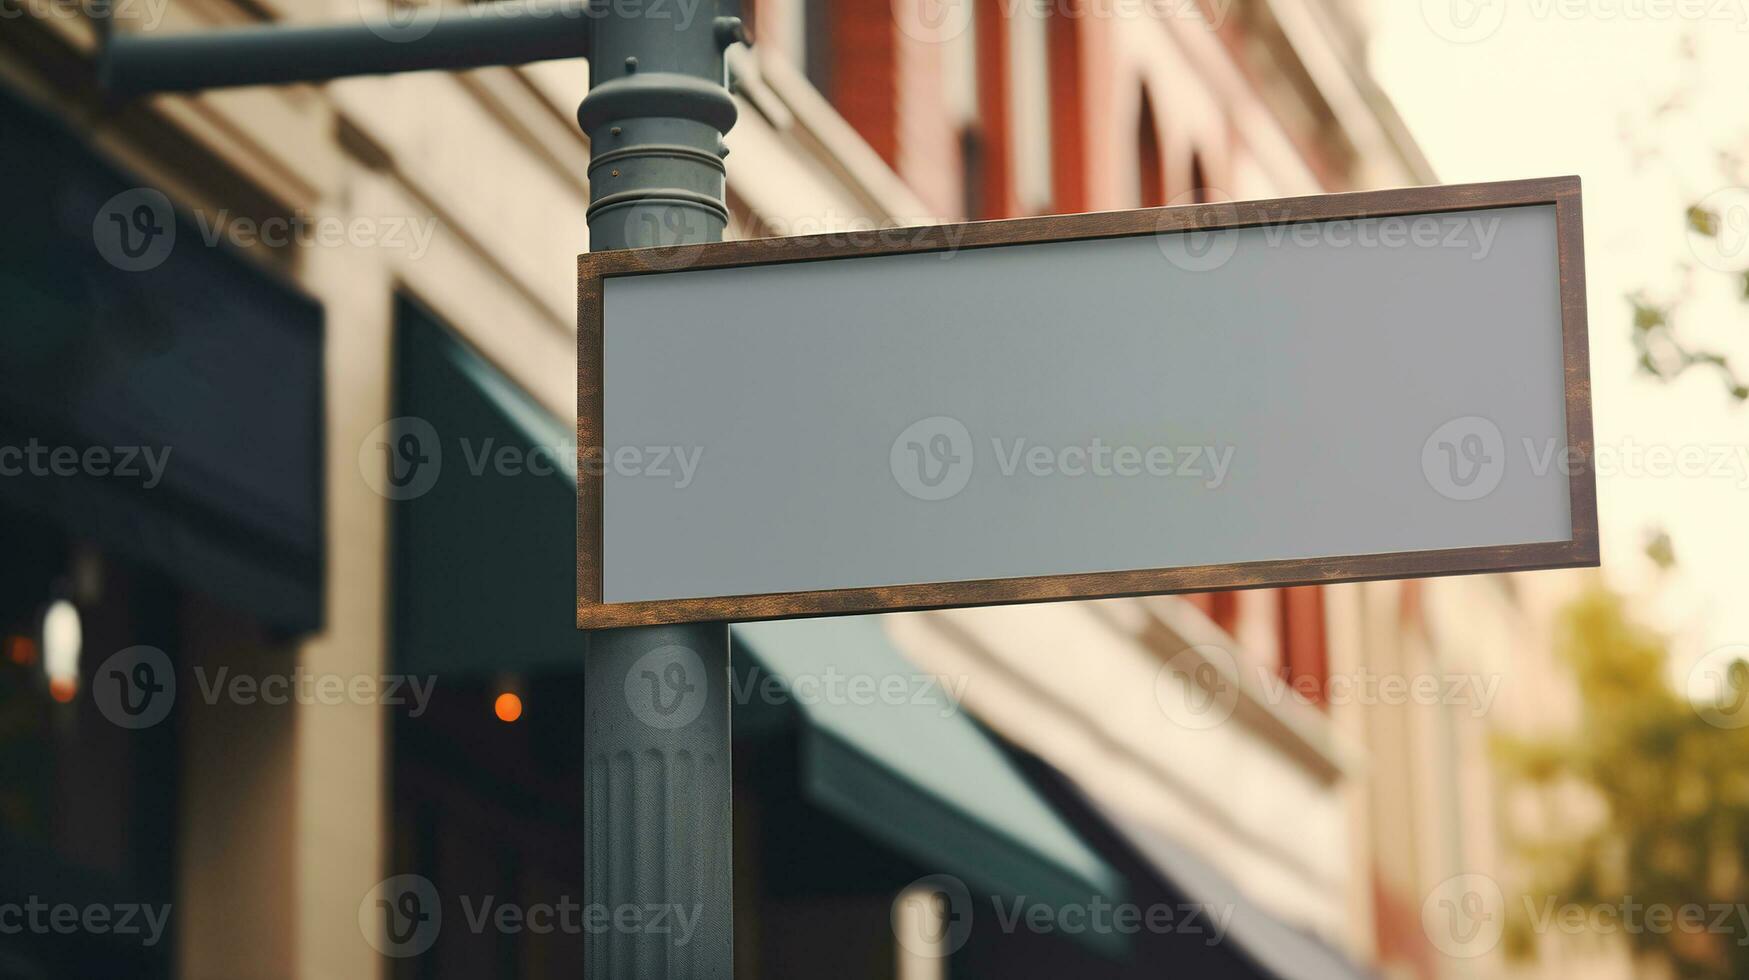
(656, 699)
(656, 705)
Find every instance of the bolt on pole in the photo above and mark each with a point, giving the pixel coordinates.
(657, 768)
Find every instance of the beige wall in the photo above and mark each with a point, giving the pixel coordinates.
(276, 864)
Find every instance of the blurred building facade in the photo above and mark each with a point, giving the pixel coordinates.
(1181, 751)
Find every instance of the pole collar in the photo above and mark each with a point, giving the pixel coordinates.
(667, 95)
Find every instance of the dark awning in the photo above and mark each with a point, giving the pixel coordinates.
(195, 381)
(485, 562)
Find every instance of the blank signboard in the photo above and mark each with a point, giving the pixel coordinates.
(1320, 389)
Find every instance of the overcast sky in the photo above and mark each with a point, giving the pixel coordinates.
(1498, 89)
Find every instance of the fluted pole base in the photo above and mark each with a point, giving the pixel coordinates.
(659, 893)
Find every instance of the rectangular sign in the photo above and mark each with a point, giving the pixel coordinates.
(1324, 389)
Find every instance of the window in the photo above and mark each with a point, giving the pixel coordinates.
(1150, 162)
(1200, 192)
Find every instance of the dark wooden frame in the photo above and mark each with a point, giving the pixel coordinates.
(1581, 550)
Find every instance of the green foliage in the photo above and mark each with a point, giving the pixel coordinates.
(1672, 784)
(1665, 354)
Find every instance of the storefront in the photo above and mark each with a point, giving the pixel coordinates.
(160, 468)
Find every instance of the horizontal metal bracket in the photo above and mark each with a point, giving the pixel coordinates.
(509, 32)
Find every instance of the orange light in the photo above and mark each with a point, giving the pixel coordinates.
(63, 689)
(508, 707)
(22, 650)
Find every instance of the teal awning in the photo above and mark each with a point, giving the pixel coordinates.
(919, 775)
(484, 559)
(483, 584)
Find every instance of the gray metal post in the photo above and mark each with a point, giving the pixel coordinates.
(656, 699)
(430, 37)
